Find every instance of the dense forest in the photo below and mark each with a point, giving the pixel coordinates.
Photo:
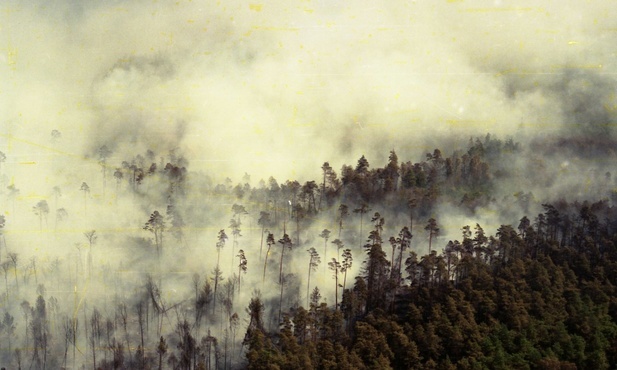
(365, 267)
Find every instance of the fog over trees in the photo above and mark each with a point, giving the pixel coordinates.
(143, 288)
(315, 185)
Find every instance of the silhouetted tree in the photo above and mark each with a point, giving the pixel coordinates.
(433, 230)
(364, 208)
(325, 234)
(270, 242)
(241, 267)
(314, 261)
(335, 267)
(326, 168)
(41, 209)
(91, 237)
(104, 153)
(220, 244)
(285, 244)
(86, 189)
(346, 265)
(264, 220)
(161, 350)
(343, 212)
(156, 225)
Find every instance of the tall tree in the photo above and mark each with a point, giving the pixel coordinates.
(220, 244)
(161, 350)
(270, 242)
(264, 220)
(308, 194)
(363, 209)
(118, 175)
(314, 261)
(326, 168)
(242, 266)
(403, 242)
(235, 223)
(285, 242)
(335, 267)
(346, 265)
(325, 234)
(13, 194)
(86, 189)
(411, 203)
(391, 173)
(376, 271)
(343, 212)
(41, 209)
(298, 214)
(156, 225)
(91, 237)
(8, 323)
(104, 153)
(2, 239)
(6, 266)
(433, 230)
(13, 257)
(339, 245)
(217, 277)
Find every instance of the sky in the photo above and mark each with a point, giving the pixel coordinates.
(278, 88)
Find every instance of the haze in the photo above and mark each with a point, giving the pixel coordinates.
(246, 91)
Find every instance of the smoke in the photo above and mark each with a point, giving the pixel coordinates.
(267, 89)
(242, 86)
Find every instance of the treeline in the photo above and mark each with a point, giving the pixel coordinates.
(463, 178)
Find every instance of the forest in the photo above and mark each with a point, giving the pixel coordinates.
(405, 266)
(304, 184)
